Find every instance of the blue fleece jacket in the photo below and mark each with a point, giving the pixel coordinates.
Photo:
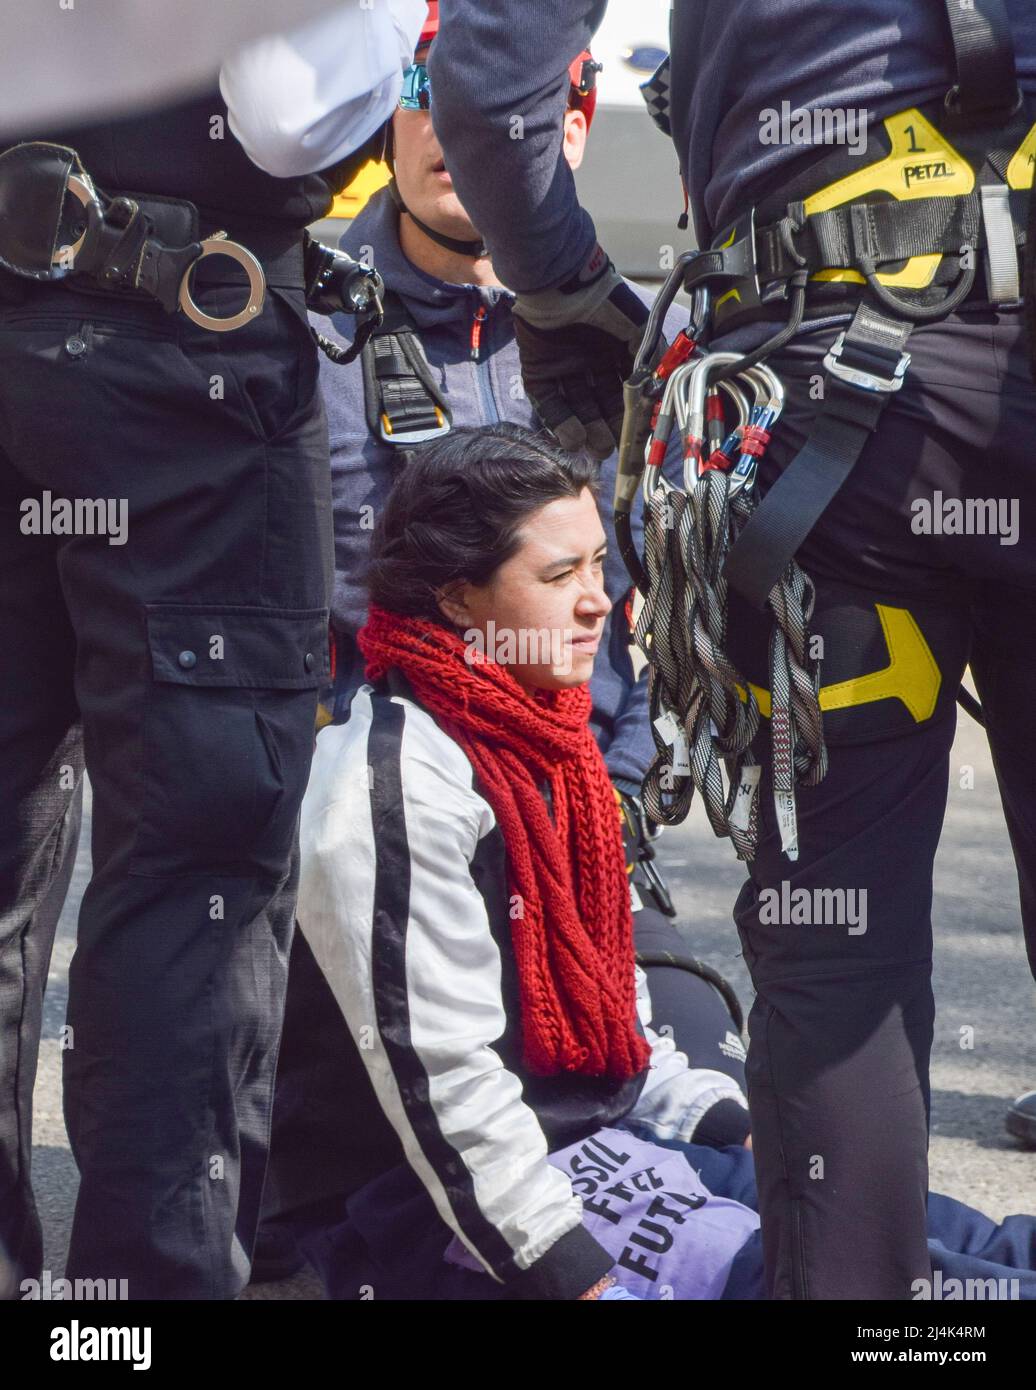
(480, 393)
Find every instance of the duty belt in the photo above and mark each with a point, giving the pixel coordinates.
(55, 224)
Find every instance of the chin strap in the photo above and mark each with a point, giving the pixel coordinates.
(477, 248)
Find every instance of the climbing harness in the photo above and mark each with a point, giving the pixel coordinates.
(893, 243)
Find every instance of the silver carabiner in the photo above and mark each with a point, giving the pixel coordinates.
(653, 477)
(692, 415)
(769, 402)
(769, 392)
(718, 434)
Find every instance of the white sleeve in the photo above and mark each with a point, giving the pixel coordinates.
(675, 1096)
(388, 904)
(299, 102)
(76, 63)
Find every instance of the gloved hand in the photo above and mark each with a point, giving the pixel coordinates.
(576, 343)
(615, 1292)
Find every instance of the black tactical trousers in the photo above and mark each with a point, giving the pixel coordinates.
(842, 1026)
(181, 665)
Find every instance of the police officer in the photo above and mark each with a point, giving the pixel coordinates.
(164, 587)
(874, 453)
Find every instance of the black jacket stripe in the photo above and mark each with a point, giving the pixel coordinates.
(391, 996)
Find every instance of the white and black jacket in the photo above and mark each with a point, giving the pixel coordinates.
(404, 902)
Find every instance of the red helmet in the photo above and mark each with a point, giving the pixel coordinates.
(582, 95)
(431, 24)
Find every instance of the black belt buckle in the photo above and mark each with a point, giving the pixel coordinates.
(860, 376)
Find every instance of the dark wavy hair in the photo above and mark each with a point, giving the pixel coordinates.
(455, 511)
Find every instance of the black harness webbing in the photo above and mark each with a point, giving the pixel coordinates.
(987, 85)
(863, 368)
(848, 237)
(402, 399)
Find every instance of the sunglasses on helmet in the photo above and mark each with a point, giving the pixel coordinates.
(416, 93)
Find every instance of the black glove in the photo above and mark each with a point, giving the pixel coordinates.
(576, 343)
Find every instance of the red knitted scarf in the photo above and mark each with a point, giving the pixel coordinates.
(571, 923)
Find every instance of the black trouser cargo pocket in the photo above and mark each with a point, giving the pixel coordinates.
(228, 735)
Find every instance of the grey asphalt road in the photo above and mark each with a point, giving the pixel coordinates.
(982, 982)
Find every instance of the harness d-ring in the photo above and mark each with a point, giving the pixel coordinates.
(218, 245)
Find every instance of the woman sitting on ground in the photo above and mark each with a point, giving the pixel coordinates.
(464, 892)
(464, 885)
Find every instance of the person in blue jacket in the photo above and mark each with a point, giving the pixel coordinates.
(915, 243)
(446, 304)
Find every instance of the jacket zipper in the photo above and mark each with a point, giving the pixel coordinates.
(481, 367)
(476, 331)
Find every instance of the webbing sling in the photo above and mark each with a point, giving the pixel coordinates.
(402, 399)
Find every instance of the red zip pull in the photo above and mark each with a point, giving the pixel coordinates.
(476, 331)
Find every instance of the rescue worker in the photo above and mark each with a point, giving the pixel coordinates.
(445, 356)
(164, 586)
(869, 449)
